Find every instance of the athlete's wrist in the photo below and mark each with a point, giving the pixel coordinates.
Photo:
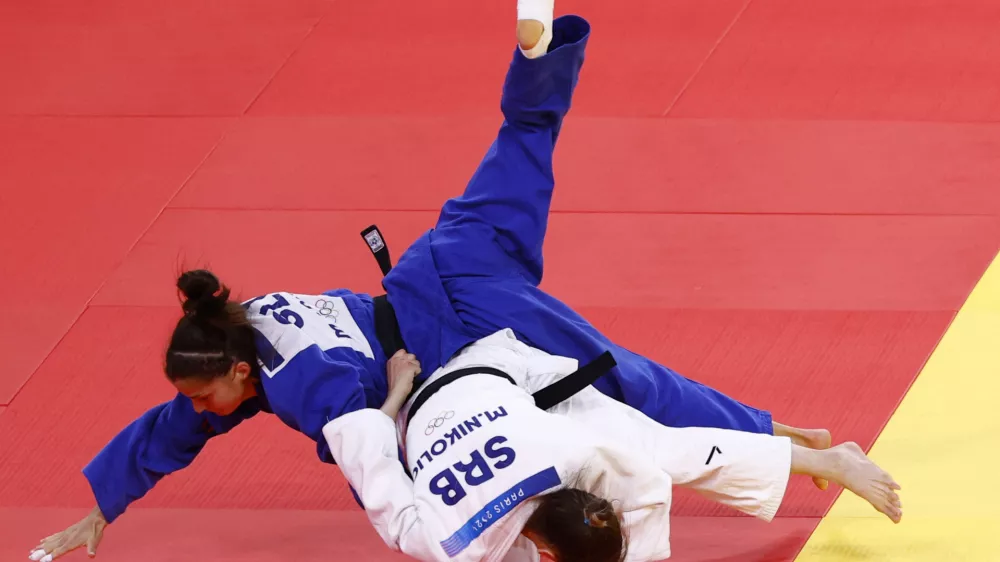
(392, 405)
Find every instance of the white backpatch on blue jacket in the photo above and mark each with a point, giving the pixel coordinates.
(321, 320)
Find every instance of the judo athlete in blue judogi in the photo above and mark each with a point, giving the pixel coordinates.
(310, 359)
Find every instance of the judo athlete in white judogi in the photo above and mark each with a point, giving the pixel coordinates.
(494, 478)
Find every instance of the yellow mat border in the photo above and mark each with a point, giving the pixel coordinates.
(942, 445)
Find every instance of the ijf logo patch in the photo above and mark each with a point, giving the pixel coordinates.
(374, 241)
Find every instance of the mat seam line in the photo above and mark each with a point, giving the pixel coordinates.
(349, 508)
(122, 261)
(934, 349)
(704, 61)
(584, 212)
(913, 381)
(283, 64)
(902, 397)
(949, 310)
(812, 119)
(173, 196)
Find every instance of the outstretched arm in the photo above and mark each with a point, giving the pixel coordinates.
(163, 440)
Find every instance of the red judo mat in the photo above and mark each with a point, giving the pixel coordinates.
(788, 203)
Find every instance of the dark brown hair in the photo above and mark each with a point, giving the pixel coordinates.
(213, 334)
(579, 527)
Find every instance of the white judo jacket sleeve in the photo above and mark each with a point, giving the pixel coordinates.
(364, 445)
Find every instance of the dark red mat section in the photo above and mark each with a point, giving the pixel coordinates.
(854, 59)
(185, 57)
(165, 535)
(77, 193)
(438, 58)
(673, 261)
(674, 165)
(168, 535)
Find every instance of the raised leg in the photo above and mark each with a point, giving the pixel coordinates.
(511, 190)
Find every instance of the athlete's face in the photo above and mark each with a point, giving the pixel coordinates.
(220, 395)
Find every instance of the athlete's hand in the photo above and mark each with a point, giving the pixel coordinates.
(86, 532)
(402, 368)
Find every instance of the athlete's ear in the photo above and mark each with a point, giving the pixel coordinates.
(241, 371)
(544, 554)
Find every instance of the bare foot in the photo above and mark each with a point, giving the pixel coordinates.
(818, 439)
(853, 470)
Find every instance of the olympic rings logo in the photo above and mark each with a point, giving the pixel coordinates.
(326, 308)
(438, 421)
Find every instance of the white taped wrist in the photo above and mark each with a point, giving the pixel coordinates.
(542, 11)
(538, 10)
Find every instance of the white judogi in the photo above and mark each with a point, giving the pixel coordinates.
(479, 450)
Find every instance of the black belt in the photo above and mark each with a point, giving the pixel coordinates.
(387, 327)
(391, 339)
(545, 398)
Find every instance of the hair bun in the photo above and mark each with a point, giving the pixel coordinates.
(596, 519)
(200, 288)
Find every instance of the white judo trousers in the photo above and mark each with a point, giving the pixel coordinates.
(479, 450)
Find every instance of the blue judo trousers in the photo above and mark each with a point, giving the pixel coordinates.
(477, 271)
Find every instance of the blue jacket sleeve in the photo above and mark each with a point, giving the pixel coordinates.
(316, 362)
(163, 440)
(317, 386)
